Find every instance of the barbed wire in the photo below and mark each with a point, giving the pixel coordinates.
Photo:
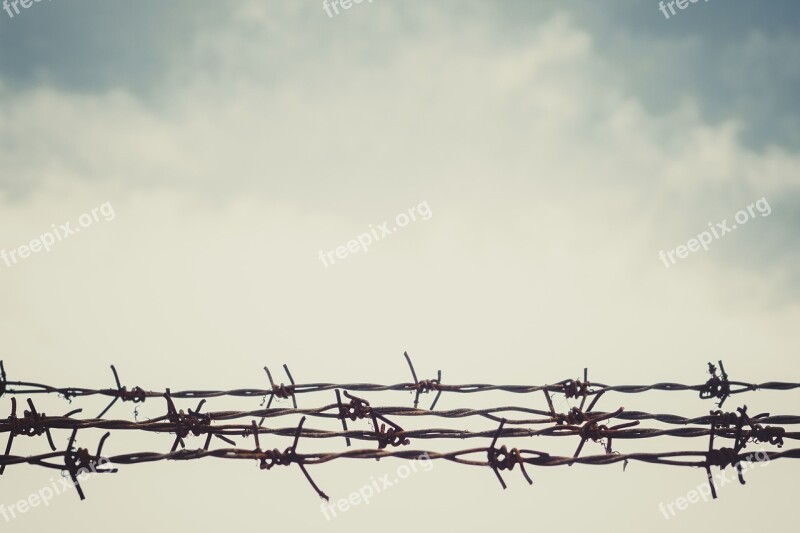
(244, 430)
(716, 387)
(79, 460)
(391, 438)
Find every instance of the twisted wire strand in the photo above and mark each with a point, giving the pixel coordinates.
(597, 388)
(535, 457)
(245, 430)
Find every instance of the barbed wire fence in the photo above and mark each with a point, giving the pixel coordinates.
(241, 432)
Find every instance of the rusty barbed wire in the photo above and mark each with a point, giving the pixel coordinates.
(32, 424)
(716, 387)
(135, 395)
(496, 459)
(392, 439)
(538, 458)
(268, 459)
(424, 386)
(504, 459)
(2, 379)
(78, 461)
(245, 430)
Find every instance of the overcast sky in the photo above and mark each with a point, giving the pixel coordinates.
(559, 148)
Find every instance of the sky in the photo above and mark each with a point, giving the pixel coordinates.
(555, 154)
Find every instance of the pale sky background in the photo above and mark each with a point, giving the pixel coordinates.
(560, 148)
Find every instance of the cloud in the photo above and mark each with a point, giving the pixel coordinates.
(548, 118)
(507, 140)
